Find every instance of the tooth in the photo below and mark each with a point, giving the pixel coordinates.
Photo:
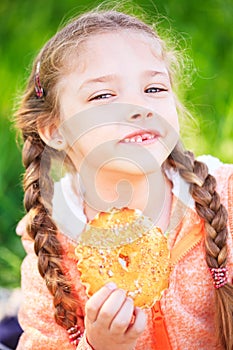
(132, 139)
(139, 139)
(127, 140)
(148, 136)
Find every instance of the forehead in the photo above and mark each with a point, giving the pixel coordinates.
(116, 46)
(126, 36)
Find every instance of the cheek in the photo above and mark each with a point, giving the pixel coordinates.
(94, 147)
(174, 114)
(97, 138)
(167, 110)
(172, 119)
(175, 124)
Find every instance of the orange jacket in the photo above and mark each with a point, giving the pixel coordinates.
(184, 318)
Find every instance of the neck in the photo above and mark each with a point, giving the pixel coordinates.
(151, 193)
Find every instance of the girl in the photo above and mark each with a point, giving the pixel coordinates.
(101, 100)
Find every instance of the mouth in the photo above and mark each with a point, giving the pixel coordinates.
(141, 137)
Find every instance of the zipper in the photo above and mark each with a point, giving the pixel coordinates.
(178, 252)
(186, 244)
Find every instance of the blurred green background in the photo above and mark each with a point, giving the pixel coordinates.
(204, 29)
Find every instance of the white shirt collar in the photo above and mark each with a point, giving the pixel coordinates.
(67, 203)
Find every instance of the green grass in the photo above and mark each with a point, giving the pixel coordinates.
(206, 35)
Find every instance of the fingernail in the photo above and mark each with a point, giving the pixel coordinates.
(111, 285)
(130, 299)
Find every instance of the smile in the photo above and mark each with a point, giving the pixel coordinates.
(142, 137)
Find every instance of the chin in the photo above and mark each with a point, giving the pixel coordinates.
(132, 168)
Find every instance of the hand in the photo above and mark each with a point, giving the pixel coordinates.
(112, 322)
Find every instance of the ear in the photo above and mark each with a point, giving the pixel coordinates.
(52, 136)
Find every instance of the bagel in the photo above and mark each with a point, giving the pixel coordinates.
(123, 246)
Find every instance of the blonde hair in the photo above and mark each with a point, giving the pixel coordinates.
(35, 111)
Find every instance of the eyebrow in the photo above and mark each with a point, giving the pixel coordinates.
(153, 73)
(101, 79)
(111, 77)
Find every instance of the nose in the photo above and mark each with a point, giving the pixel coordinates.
(140, 115)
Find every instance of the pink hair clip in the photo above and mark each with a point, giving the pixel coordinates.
(219, 276)
(38, 88)
(74, 335)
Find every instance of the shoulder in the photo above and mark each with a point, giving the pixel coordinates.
(221, 171)
(213, 163)
(224, 177)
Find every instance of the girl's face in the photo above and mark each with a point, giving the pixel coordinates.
(123, 70)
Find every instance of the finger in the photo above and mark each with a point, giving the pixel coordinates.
(139, 324)
(95, 303)
(111, 307)
(123, 318)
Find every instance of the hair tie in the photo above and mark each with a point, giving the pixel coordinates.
(219, 276)
(74, 335)
(38, 88)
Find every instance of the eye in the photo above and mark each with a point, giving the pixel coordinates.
(101, 97)
(154, 90)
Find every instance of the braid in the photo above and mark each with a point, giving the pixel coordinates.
(209, 208)
(44, 232)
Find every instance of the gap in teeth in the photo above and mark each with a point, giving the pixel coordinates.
(147, 136)
(140, 138)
